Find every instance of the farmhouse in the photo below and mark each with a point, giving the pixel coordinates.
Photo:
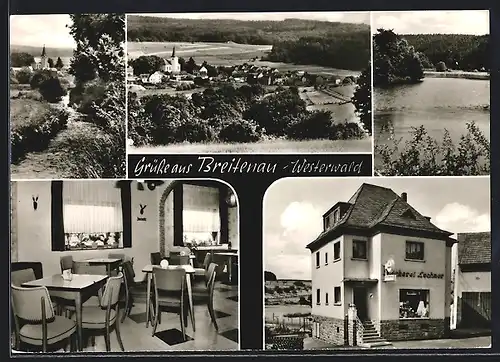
(385, 266)
(472, 294)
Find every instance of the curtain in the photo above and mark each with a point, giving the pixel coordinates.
(92, 207)
(57, 230)
(126, 199)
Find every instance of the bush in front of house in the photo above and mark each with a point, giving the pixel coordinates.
(240, 130)
(36, 134)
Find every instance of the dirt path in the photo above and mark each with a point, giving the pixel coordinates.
(52, 162)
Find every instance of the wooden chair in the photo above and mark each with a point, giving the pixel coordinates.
(204, 292)
(131, 288)
(19, 277)
(36, 324)
(170, 295)
(103, 319)
(66, 262)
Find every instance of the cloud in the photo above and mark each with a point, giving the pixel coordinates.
(37, 30)
(459, 218)
(285, 252)
(432, 22)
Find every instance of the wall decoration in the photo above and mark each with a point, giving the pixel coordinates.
(141, 211)
(35, 202)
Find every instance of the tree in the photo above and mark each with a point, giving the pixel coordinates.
(362, 99)
(52, 90)
(99, 46)
(191, 66)
(147, 64)
(21, 59)
(51, 63)
(59, 63)
(39, 77)
(23, 76)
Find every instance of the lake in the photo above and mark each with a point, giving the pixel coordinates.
(435, 103)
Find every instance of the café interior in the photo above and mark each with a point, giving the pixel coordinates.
(134, 266)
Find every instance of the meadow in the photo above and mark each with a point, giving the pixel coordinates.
(225, 54)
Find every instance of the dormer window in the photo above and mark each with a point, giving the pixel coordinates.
(336, 216)
(408, 214)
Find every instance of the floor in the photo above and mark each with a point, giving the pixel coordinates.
(137, 338)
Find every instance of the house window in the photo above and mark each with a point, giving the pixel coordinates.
(336, 295)
(336, 251)
(318, 296)
(317, 259)
(326, 298)
(414, 250)
(92, 215)
(359, 249)
(413, 303)
(336, 216)
(326, 258)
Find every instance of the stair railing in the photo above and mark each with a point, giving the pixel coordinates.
(360, 328)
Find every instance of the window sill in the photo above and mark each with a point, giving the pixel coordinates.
(336, 260)
(414, 319)
(318, 303)
(415, 260)
(317, 266)
(337, 304)
(326, 303)
(359, 259)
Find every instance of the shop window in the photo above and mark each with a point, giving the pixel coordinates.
(326, 298)
(336, 295)
(359, 249)
(336, 251)
(414, 250)
(326, 258)
(413, 303)
(318, 296)
(317, 259)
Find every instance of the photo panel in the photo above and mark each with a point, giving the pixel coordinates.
(67, 96)
(161, 255)
(386, 263)
(255, 82)
(431, 79)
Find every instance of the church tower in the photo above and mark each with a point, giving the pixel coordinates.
(174, 61)
(43, 59)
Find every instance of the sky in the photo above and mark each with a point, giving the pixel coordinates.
(293, 210)
(345, 17)
(37, 30)
(475, 22)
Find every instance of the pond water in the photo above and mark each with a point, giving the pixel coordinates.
(435, 103)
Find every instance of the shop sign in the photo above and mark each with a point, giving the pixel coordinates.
(421, 275)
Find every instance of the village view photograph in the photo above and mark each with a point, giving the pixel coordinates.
(388, 263)
(249, 82)
(67, 96)
(431, 78)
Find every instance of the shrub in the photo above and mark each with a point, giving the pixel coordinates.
(52, 90)
(140, 127)
(39, 77)
(441, 67)
(424, 156)
(347, 131)
(36, 134)
(240, 130)
(23, 75)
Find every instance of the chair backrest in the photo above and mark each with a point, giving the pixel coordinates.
(210, 277)
(111, 293)
(35, 265)
(80, 267)
(178, 259)
(207, 260)
(66, 262)
(171, 280)
(19, 277)
(155, 258)
(128, 271)
(117, 256)
(26, 304)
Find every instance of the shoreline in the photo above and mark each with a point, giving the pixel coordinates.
(460, 75)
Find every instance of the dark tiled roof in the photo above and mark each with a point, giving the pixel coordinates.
(474, 248)
(373, 206)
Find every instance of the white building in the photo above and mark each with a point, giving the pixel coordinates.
(155, 78)
(203, 71)
(472, 293)
(172, 65)
(385, 266)
(42, 62)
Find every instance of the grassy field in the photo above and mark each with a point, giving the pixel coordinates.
(224, 54)
(321, 101)
(26, 111)
(278, 146)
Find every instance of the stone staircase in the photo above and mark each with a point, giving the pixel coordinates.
(371, 337)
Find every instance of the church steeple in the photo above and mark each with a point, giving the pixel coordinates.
(43, 50)
(173, 52)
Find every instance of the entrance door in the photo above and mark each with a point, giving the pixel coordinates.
(476, 310)
(361, 302)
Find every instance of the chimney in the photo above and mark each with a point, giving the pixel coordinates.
(404, 196)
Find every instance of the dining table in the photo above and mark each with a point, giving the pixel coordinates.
(79, 288)
(111, 263)
(148, 269)
(229, 255)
